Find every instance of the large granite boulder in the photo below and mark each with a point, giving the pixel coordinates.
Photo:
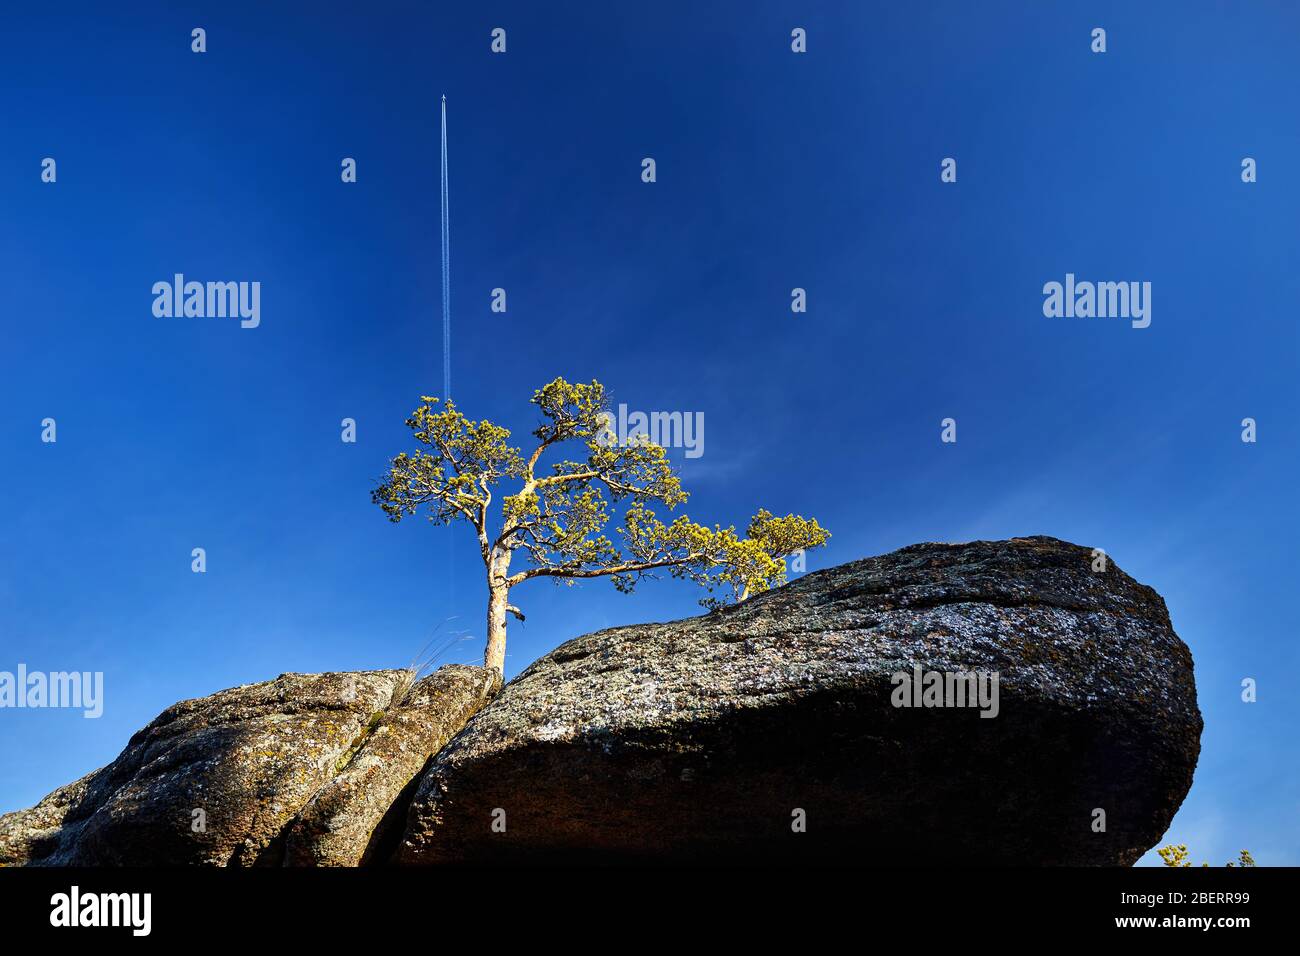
(769, 731)
(217, 780)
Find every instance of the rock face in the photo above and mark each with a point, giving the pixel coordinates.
(32, 835)
(716, 738)
(768, 731)
(357, 817)
(216, 781)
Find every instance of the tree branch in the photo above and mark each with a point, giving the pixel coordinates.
(630, 567)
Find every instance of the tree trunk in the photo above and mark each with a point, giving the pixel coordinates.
(494, 657)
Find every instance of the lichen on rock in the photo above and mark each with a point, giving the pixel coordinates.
(356, 818)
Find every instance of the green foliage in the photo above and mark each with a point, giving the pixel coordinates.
(451, 480)
(1177, 856)
(558, 516)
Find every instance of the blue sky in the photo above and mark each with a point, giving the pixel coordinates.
(775, 170)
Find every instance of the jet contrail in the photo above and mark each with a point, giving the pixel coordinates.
(446, 267)
(446, 319)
